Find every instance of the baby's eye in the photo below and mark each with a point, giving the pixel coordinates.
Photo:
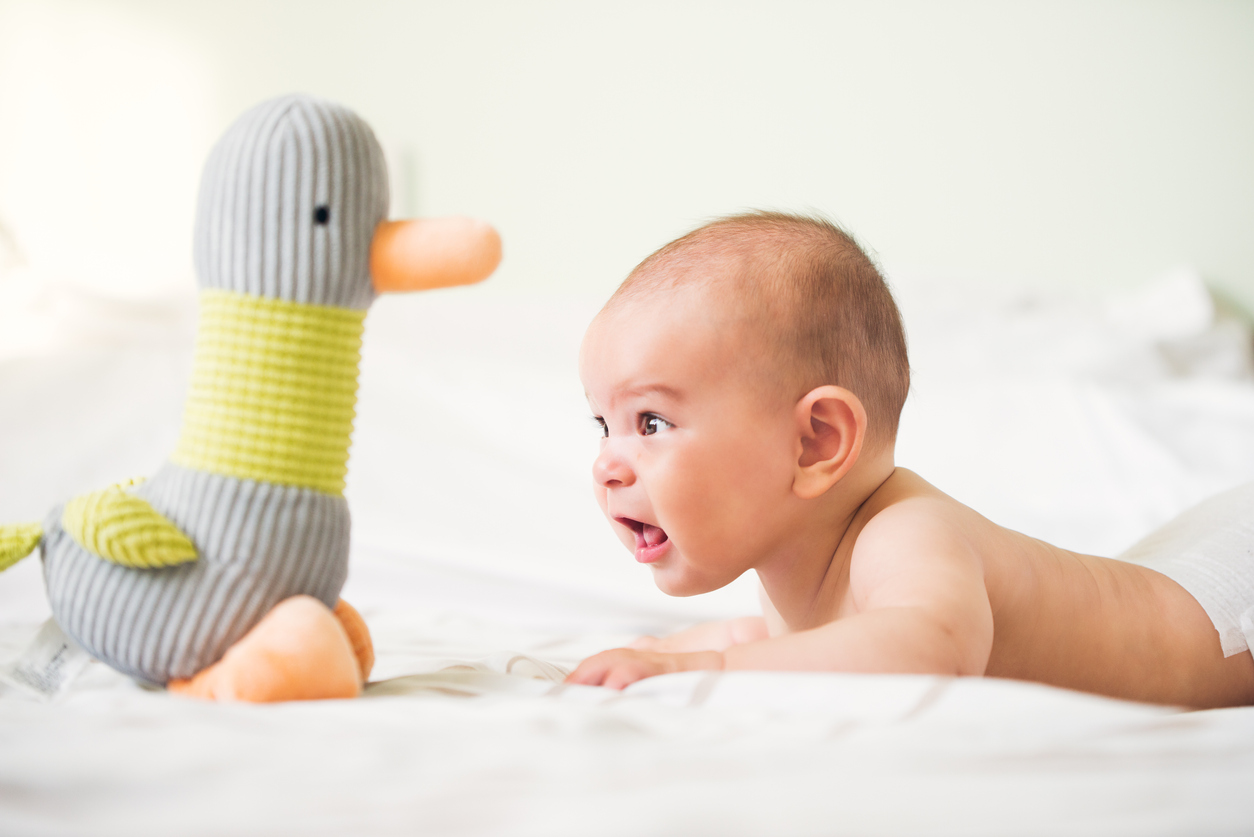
(650, 424)
(605, 430)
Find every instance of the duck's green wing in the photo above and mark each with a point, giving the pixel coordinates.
(17, 541)
(123, 528)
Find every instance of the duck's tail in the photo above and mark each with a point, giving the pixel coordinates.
(17, 541)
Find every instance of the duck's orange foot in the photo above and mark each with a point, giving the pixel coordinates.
(299, 651)
(358, 637)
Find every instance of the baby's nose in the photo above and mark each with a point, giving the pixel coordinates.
(609, 470)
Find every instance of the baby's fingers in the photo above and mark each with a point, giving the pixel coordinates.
(592, 671)
(625, 673)
(614, 669)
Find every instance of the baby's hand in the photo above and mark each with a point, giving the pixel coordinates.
(620, 667)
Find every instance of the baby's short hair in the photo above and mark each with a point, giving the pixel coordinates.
(824, 310)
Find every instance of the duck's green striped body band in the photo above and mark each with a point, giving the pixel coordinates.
(273, 391)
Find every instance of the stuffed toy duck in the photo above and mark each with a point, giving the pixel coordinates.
(220, 576)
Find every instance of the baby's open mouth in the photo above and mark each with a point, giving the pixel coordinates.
(650, 540)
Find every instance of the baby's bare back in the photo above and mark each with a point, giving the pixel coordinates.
(1090, 623)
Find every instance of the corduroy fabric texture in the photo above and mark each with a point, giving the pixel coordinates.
(123, 528)
(17, 540)
(259, 543)
(273, 391)
(289, 202)
(257, 223)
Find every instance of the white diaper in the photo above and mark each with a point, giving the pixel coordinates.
(1209, 551)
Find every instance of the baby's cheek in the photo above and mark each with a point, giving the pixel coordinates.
(697, 517)
(723, 515)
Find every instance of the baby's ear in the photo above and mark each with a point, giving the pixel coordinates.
(831, 427)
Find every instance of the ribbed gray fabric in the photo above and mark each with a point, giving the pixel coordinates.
(259, 543)
(257, 232)
(256, 227)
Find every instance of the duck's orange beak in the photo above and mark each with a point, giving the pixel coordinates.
(432, 253)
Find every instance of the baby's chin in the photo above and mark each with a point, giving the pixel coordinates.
(680, 582)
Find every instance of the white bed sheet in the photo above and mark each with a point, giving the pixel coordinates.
(462, 734)
(483, 568)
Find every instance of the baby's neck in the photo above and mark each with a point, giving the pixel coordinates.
(804, 578)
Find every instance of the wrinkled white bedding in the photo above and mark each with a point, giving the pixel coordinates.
(483, 569)
(483, 752)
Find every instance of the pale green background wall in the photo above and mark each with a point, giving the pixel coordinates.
(1087, 143)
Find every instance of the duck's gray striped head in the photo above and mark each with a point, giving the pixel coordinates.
(289, 202)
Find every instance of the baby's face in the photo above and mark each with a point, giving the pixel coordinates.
(696, 464)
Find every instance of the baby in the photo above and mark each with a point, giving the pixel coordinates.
(748, 379)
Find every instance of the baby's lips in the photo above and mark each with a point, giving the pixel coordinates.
(651, 542)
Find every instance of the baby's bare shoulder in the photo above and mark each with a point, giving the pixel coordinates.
(914, 535)
(908, 512)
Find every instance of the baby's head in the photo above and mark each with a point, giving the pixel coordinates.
(749, 377)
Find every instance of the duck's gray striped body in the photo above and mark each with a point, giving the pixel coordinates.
(258, 544)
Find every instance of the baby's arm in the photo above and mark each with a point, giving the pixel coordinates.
(921, 607)
(918, 588)
(710, 636)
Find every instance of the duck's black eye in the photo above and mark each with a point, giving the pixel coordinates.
(322, 214)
